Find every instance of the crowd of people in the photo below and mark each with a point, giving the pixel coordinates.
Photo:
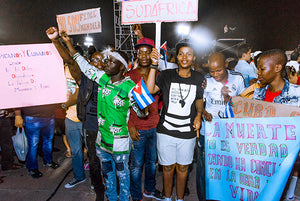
(121, 139)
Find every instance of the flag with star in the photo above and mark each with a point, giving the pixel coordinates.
(142, 95)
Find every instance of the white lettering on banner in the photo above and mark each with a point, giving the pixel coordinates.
(81, 22)
(148, 11)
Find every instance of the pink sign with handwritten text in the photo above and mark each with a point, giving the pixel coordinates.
(31, 75)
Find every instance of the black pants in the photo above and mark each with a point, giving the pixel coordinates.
(7, 150)
(94, 163)
(200, 174)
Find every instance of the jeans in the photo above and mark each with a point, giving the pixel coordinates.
(94, 163)
(74, 135)
(144, 151)
(113, 166)
(36, 127)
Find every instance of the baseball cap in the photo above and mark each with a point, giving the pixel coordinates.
(144, 41)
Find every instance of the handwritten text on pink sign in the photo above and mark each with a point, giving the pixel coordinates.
(81, 22)
(31, 75)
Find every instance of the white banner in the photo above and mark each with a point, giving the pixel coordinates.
(81, 22)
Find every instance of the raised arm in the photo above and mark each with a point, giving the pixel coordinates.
(52, 34)
(152, 87)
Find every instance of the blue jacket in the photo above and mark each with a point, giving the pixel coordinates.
(290, 94)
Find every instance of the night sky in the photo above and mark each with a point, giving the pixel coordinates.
(265, 24)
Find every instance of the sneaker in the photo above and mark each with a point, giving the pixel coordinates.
(156, 195)
(74, 182)
(35, 173)
(168, 199)
(51, 164)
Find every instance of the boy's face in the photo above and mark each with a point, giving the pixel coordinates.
(217, 70)
(266, 70)
(112, 66)
(247, 55)
(143, 55)
(96, 60)
(185, 57)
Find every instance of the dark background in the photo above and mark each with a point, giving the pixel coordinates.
(265, 24)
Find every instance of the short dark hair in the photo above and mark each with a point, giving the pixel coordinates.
(244, 48)
(294, 55)
(183, 43)
(278, 56)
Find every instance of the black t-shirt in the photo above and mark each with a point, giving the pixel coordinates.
(179, 98)
(41, 111)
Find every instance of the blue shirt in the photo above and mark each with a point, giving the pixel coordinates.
(246, 70)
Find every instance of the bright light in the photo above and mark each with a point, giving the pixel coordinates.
(183, 29)
(202, 36)
(88, 39)
(88, 43)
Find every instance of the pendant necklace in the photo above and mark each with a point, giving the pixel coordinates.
(182, 101)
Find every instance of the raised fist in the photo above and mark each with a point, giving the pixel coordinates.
(52, 33)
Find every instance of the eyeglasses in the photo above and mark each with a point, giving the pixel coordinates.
(95, 60)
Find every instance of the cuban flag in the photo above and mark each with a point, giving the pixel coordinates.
(228, 110)
(163, 47)
(141, 94)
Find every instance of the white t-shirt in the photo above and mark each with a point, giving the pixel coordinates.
(212, 93)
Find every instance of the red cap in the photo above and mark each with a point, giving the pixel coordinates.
(144, 41)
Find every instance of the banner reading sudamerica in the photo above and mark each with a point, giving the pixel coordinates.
(250, 158)
(81, 22)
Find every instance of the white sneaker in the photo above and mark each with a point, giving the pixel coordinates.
(167, 199)
(74, 182)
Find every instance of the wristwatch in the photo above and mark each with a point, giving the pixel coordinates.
(63, 106)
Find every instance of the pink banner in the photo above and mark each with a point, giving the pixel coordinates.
(31, 75)
(149, 11)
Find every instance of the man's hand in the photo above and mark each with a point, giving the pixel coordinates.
(197, 123)
(52, 33)
(64, 36)
(207, 116)
(134, 133)
(225, 93)
(19, 121)
(154, 56)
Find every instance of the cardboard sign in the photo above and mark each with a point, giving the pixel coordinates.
(81, 22)
(250, 158)
(245, 108)
(31, 75)
(149, 11)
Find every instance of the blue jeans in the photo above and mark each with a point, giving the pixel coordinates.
(74, 135)
(113, 166)
(36, 127)
(144, 151)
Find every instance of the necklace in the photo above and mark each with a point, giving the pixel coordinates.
(182, 101)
